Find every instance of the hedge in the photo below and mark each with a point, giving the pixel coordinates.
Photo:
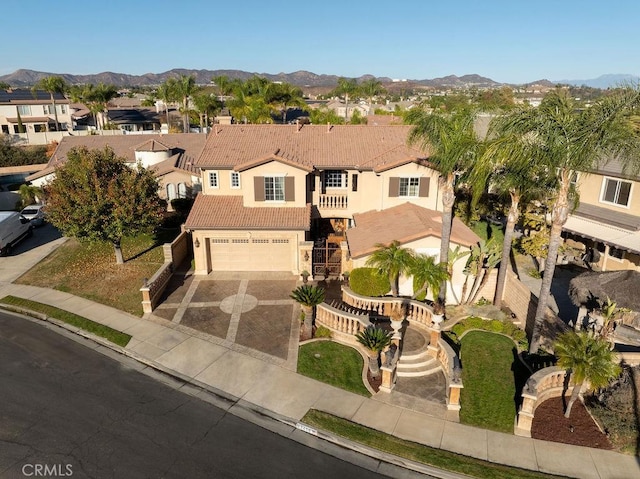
(368, 282)
(494, 326)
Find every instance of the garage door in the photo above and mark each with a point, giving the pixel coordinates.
(254, 254)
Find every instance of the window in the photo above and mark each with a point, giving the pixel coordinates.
(616, 192)
(171, 192)
(235, 179)
(616, 253)
(24, 110)
(335, 179)
(63, 109)
(182, 190)
(274, 188)
(409, 186)
(213, 179)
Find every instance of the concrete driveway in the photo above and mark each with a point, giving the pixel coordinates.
(247, 312)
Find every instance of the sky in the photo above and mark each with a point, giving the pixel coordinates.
(509, 41)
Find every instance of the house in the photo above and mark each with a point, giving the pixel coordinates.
(171, 156)
(135, 119)
(35, 111)
(284, 197)
(607, 220)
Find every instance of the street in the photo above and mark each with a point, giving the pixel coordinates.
(73, 412)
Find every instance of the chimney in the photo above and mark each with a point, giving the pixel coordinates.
(328, 127)
(216, 128)
(298, 126)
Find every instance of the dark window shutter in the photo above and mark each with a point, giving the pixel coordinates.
(258, 188)
(289, 188)
(394, 186)
(423, 189)
(323, 182)
(354, 182)
(312, 182)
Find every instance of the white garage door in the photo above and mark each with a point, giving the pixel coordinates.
(254, 254)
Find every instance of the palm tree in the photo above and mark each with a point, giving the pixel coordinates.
(346, 87)
(183, 88)
(97, 97)
(586, 358)
(483, 258)
(391, 260)
(206, 105)
(285, 96)
(374, 340)
(52, 85)
(427, 274)
(165, 93)
(309, 297)
(564, 139)
(452, 143)
(371, 88)
(29, 194)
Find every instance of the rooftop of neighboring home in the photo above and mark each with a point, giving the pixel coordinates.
(30, 97)
(310, 146)
(185, 148)
(405, 223)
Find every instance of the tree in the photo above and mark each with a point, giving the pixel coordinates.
(452, 145)
(309, 297)
(323, 116)
(347, 87)
(285, 96)
(4, 85)
(165, 93)
(96, 196)
(183, 88)
(427, 274)
(52, 85)
(564, 139)
(484, 256)
(391, 260)
(207, 105)
(372, 88)
(586, 358)
(97, 98)
(29, 194)
(374, 340)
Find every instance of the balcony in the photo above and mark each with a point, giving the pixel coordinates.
(333, 202)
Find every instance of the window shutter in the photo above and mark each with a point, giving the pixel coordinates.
(289, 188)
(323, 182)
(423, 189)
(394, 187)
(258, 188)
(354, 182)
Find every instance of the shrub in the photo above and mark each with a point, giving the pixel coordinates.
(495, 326)
(474, 322)
(322, 332)
(368, 282)
(459, 328)
(182, 206)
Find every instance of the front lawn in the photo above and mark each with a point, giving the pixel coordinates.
(490, 370)
(89, 270)
(334, 364)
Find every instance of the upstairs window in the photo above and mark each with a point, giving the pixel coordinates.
(409, 186)
(274, 188)
(24, 110)
(235, 179)
(213, 179)
(335, 179)
(616, 192)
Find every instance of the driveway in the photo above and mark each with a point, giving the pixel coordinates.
(247, 312)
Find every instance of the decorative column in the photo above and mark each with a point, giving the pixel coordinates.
(345, 261)
(435, 335)
(305, 257)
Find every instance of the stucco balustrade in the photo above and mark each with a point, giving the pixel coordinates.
(343, 324)
(333, 202)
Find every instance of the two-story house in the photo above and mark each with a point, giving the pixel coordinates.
(35, 111)
(607, 220)
(270, 191)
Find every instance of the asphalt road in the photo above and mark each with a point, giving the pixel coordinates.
(73, 412)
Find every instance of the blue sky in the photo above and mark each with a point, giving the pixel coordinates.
(509, 41)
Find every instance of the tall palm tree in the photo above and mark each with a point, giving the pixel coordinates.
(565, 139)
(392, 260)
(285, 96)
(165, 93)
(427, 274)
(184, 87)
(52, 85)
(374, 340)
(206, 105)
(371, 88)
(309, 297)
(347, 87)
(29, 194)
(453, 146)
(587, 358)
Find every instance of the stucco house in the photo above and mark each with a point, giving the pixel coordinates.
(294, 198)
(172, 157)
(607, 219)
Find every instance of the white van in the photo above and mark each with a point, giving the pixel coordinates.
(13, 228)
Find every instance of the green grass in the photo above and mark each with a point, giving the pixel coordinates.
(116, 337)
(446, 460)
(487, 230)
(89, 270)
(489, 378)
(334, 364)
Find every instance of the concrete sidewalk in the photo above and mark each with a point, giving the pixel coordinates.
(191, 356)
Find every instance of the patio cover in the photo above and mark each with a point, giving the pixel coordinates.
(611, 235)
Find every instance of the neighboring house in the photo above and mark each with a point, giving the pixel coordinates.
(34, 110)
(607, 219)
(282, 197)
(171, 156)
(341, 109)
(135, 119)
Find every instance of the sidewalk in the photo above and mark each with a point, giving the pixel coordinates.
(185, 354)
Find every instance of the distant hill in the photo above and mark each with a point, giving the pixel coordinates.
(604, 81)
(27, 78)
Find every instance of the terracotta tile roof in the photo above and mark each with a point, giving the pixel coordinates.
(406, 222)
(319, 146)
(228, 213)
(152, 145)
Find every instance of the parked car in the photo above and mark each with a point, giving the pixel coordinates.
(35, 214)
(13, 228)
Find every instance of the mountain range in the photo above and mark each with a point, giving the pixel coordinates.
(27, 78)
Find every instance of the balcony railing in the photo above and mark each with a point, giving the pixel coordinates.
(333, 202)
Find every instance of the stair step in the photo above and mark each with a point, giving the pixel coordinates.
(417, 363)
(413, 356)
(418, 373)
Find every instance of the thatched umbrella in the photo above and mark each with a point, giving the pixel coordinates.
(591, 289)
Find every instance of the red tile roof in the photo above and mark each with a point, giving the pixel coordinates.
(319, 146)
(405, 223)
(227, 212)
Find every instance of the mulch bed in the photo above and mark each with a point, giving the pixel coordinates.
(549, 424)
(374, 383)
